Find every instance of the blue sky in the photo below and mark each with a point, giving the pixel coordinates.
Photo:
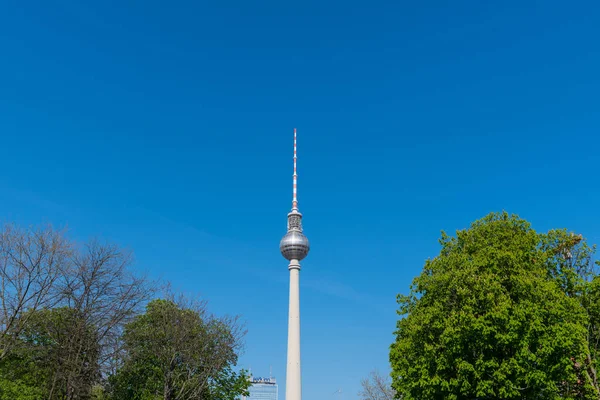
(167, 128)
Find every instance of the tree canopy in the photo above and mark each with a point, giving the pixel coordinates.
(503, 312)
(55, 357)
(176, 352)
(72, 327)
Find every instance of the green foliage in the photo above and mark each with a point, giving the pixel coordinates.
(569, 262)
(18, 390)
(62, 328)
(98, 393)
(495, 315)
(20, 376)
(176, 353)
(170, 352)
(229, 385)
(55, 357)
(592, 303)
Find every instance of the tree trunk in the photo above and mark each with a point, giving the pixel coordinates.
(168, 389)
(592, 372)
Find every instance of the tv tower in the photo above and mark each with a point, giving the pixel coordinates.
(294, 246)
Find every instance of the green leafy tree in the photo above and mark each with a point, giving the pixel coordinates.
(18, 390)
(55, 357)
(569, 262)
(592, 303)
(176, 351)
(20, 376)
(489, 319)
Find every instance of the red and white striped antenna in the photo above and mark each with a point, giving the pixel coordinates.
(295, 190)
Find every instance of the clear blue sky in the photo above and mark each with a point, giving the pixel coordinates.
(167, 127)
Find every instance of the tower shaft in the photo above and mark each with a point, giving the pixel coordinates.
(293, 384)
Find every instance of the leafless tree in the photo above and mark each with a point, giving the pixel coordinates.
(31, 263)
(79, 297)
(376, 387)
(101, 287)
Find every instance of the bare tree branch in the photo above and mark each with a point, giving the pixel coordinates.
(376, 387)
(31, 262)
(99, 284)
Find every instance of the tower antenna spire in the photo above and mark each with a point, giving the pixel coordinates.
(295, 187)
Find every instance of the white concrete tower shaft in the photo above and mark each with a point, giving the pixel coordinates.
(293, 382)
(294, 247)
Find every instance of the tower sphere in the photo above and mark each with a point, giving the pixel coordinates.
(294, 245)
